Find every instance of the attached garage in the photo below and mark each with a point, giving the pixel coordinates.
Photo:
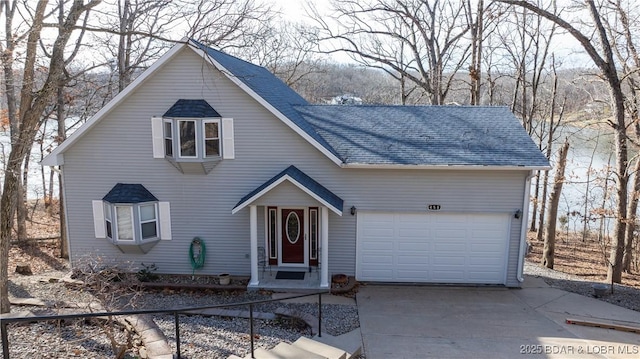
(432, 247)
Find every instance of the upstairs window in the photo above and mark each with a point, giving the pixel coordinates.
(211, 138)
(168, 138)
(192, 132)
(188, 139)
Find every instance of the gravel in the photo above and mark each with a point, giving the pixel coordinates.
(210, 337)
(623, 295)
(200, 336)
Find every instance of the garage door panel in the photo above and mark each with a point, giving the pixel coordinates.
(448, 276)
(380, 246)
(428, 247)
(443, 247)
(486, 247)
(412, 259)
(448, 260)
(450, 233)
(412, 276)
(412, 246)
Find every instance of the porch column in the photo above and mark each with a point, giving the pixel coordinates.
(253, 230)
(324, 245)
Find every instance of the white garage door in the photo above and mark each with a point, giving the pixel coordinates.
(432, 248)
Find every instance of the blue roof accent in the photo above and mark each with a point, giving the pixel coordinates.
(304, 180)
(267, 86)
(425, 135)
(129, 193)
(191, 109)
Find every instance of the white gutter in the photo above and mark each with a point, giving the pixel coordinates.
(523, 227)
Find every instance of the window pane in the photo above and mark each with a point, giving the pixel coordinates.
(147, 212)
(212, 147)
(149, 230)
(168, 133)
(313, 214)
(107, 211)
(272, 234)
(109, 231)
(211, 130)
(168, 147)
(187, 138)
(125, 227)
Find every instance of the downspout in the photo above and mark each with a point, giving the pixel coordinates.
(523, 227)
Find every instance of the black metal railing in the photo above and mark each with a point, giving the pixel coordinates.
(176, 314)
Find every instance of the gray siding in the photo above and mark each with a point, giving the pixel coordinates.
(119, 149)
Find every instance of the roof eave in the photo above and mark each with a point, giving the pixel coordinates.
(275, 184)
(56, 157)
(447, 167)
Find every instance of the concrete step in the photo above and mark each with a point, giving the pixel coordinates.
(325, 350)
(284, 351)
(288, 351)
(350, 342)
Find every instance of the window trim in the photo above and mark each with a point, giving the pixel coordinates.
(155, 219)
(196, 139)
(165, 138)
(133, 227)
(205, 139)
(108, 219)
(314, 239)
(136, 222)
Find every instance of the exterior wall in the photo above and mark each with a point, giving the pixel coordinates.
(119, 149)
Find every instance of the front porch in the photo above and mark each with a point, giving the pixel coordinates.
(293, 232)
(267, 280)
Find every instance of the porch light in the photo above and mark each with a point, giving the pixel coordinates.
(353, 210)
(518, 214)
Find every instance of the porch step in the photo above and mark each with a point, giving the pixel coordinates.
(325, 350)
(302, 348)
(350, 342)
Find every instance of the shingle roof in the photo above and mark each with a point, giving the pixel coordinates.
(129, 193)
(267, 86)
(191, 109)
(396, 135)
(293, 173)
(425, 135)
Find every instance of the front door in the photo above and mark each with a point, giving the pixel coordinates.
(293, 236)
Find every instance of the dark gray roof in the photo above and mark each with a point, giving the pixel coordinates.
(425, 135)
(404, 135)
(191, 109)
(129, 193)
(267, 86)
(303, 179)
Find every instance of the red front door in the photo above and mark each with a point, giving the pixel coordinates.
(293, 236)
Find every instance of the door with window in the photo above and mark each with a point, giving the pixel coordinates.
(293, 236)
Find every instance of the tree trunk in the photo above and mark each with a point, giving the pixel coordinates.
(554, 200)
(33, 103)
(536, 204)
(632, 218)
(61, 136)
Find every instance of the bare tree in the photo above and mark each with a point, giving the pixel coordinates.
(420, 41)
(552, 214)
(603, 57)
(33, 102)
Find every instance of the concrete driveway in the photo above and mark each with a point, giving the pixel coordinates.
(468, 322)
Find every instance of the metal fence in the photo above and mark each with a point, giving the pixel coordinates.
(176, 314)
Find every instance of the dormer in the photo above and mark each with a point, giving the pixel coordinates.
(193, 136)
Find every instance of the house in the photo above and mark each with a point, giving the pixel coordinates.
(205, 149)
